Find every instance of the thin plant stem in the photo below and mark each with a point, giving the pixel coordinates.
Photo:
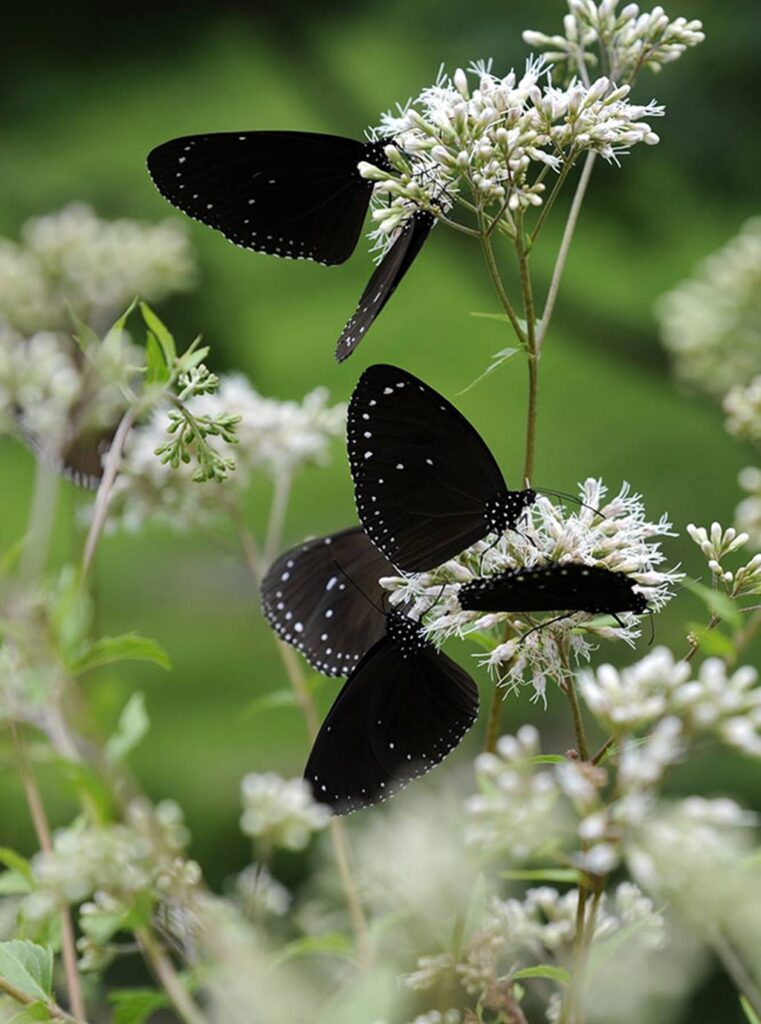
(492, 722)
(499, 287)
(165, 972)
(746, 634)
(110, 469)
(53, 1009)
(550, 201)
(462, 228)
(41, 520)
(607, 745)
(565, 245)
(578, 721)
(736, 969)
(42, 830)
(278, 509)
(532, 353)
(308, 707)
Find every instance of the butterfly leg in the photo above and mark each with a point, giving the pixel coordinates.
(543, 625)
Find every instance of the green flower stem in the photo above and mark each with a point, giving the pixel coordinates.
(736, 969)
(578, 722)
(53, 1009)
(746, 634)
(499, 287)
(306, 702)
(550, 201)
(604, 749)
(41, 520)
(565, 245)
(42, 829)
(165, 972)
(110, 470)
(532, 352)
(492, 722)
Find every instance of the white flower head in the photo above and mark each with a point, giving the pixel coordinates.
(748, 512)
(614, 534)
(280, 812)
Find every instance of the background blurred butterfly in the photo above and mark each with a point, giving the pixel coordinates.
(565, 586)
(323, 598)
(297, 195)
(425, 483)
(401, 711)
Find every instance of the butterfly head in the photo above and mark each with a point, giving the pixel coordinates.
(639, 604)
(503, 512)
(406, 634)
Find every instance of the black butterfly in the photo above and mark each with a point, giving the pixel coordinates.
(293, 194)
(568, 586)
(400, 712)
(324, 599)
(384, 281)
(426, 485)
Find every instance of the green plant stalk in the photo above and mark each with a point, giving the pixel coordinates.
(111, 468)
(41, 520)
(42, 830)
(170, 980)
(532, 352)
(53, 1009)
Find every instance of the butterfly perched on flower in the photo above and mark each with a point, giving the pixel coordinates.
(425, 483)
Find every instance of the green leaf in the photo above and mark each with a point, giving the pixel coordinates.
(483, 640)
(569, 875)
(89, 785)
(157, 371)
(127, 647)
(329, 944)
(748, 1010)
(497, 360)
(132, 726)
(135, 1005)
(191, 359)
(114, 338)
(13, 884)
(27, 966)
(285, 698)
(503, 318)
(712, 641)
(16, 863)
(717, 602)
(31, 1014)
(84, 335)
(161, 333)
(548, 759)
(558, 974)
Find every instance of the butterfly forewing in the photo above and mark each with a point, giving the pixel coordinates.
(292, 194)
(384, 281)
(324, 599)
(566, 586)
(397, 716)
(425, 483)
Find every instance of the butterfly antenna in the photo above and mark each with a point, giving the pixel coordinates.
(357, 587)
(544, 625)
(573, 498)
(652, 628)
(484, 554)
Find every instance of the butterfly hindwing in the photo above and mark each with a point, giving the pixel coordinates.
(324, 599)
(398, 715)
(426, 485)
(384, 281)
(564, 586)
(291, 194)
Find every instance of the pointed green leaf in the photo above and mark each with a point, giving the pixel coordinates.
(717, 602)
(564, 875)
(114, 338)
(497, 360)
(748, 1010)
(32, 1014)
(16, 863)
(84, 335)
(161, 333)
(132, 726)
(135, 1005)
(483, 640)
(27, 966)
(157, 371)
(127, 647)
(502, 318)
(712, 641)
(558, 974)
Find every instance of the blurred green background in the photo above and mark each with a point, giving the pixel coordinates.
(88, 90)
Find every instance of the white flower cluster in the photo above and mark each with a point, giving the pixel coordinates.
(628, 40)
(748, 512)
(496, 140)
(114, 863)
(742, 404)
(711, 324)
(716, 701)
(260, 893)
(615, 534)
(518, 809)
(40, 382)
(273, 436)
(716, 544)
(96, 266)
(280, 812)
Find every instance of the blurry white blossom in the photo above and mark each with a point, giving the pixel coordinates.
(628, 39)
(493, 139)
(742, 404)
(273, 436)
(260, 893)
(96, 266)
(711, 324)
(615, 534)
(716, 544)
(748, 512)
(624, 700)
(280, 812)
